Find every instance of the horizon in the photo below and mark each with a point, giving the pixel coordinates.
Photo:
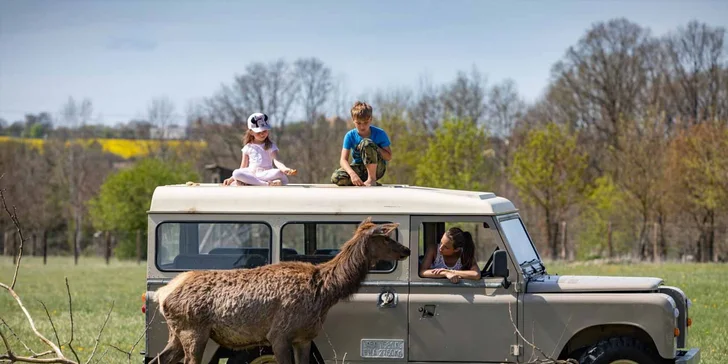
(123, 55)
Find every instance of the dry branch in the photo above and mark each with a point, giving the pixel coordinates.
(55, 332)
(14, 219)
(36, 357)
(130, 353)
(70, 311)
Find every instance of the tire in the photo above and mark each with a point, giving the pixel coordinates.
(264, 355)
(619, 350)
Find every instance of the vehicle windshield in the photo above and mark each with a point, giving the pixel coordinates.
(520, 243)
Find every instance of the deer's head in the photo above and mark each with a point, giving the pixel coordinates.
(378, 244)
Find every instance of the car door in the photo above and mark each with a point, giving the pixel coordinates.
(469, 321)
(371, 323)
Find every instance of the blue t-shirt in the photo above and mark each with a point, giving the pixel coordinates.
(352, 139)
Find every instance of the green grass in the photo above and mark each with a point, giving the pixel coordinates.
(94, 285)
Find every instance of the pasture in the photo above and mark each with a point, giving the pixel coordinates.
(94, 285)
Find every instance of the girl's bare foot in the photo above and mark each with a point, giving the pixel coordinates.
(275, 182)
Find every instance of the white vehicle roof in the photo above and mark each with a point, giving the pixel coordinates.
(325, 199)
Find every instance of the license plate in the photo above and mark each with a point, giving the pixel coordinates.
(382, 348)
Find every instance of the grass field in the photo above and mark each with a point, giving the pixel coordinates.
(95, 285)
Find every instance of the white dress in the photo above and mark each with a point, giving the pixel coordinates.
(260, 168)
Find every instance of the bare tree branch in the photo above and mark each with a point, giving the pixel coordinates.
(98, 337)
(18, 338)
(14, 219)
(55, 332)
(70, 311)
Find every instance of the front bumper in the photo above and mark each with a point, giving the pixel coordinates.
(691, 356)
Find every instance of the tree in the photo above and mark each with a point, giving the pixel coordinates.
(73, 167)
(549, 170)
(124, 198)
(457, 157)
(464, 98)
(699, 168)
(270, 87)
(695, 57)
(607, 72)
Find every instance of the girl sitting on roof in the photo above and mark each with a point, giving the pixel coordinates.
(259, 156)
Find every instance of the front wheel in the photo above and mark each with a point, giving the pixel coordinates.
(619, 350)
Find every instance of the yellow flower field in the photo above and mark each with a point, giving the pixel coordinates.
(125, 148)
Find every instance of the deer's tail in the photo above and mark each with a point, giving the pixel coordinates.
(162, 293)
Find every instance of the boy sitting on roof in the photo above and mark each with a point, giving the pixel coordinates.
(370, 149)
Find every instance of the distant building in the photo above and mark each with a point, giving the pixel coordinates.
(168, 132)
(216, 174)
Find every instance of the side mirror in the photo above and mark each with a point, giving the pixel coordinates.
(500, 266)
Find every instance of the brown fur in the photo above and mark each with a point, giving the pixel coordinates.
(281, 305)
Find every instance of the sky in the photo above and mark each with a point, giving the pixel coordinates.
(122, 54)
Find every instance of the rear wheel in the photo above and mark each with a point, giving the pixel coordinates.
(619, 350)
(264, 355)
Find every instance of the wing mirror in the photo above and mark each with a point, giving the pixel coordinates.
(500, 266)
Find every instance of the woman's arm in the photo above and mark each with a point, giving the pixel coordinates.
(472, 273)
(429, 257)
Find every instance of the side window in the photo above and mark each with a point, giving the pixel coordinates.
(212, 245)
(485, 239)
(318, 242)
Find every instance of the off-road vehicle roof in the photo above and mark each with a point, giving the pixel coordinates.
(325, 199)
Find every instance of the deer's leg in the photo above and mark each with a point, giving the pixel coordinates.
(302, 352)
(193, 343)
(282, 349)
(171, 354)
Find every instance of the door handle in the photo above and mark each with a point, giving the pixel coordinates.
(427, 310)
(387, 299)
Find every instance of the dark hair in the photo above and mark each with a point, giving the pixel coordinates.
(250, 136)
(463, 240)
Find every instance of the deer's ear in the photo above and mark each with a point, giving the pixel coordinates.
(385, 229)
(366, 226)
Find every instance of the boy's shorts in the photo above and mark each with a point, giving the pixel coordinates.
(370, 155)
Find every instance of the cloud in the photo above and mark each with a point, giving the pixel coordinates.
(131, 44)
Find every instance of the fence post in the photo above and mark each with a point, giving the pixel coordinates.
(563, 240)
(610, 247)
(45, 246)
(107, 248)
(139, 246)
(655, 253)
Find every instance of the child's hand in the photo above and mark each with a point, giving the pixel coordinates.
(291, 172)
(454, 278)
(356, 181)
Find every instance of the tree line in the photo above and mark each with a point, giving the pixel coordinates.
(624, 155)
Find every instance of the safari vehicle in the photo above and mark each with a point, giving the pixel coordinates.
(397, 316)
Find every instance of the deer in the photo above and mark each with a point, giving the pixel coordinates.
(282, 306)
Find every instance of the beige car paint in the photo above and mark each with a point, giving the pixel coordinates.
(567, 284)
(551, 319)
(471, 321)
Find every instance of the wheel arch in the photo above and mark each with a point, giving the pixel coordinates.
(593, 334)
